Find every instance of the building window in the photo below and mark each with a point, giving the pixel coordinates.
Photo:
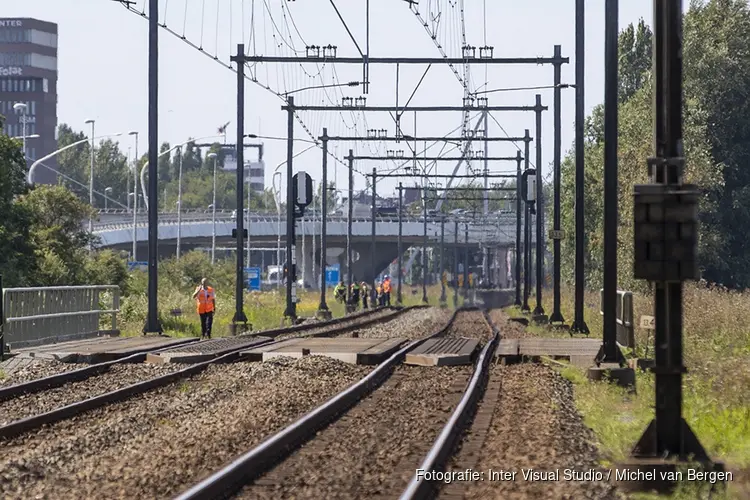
(42, 38)
(45, 85)
(43, 62)
(3, 85)
(14, 59)
(33, 108)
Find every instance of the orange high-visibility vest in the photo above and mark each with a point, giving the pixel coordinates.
(205, 300)
(387, 286)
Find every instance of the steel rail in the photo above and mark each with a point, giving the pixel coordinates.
(60, 379)
(443, 447)
(233, 477)
(18, 427)
(344, 329)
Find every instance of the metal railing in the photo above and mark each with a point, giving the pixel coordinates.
(192, 218)
(44, 315)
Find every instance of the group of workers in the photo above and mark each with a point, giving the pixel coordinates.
(205, 298)
(361, 292)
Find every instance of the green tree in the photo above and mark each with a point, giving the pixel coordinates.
(58, 237)
(717, 76)
(16, 253)
(635, 58)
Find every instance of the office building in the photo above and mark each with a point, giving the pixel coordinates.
(28, 76)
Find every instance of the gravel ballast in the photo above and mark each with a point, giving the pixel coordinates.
(410, 325)
(33, 369)
(508, 329)
(373, 450)
(158, 444)
(328, 328)
(535, 425)
(116, 377)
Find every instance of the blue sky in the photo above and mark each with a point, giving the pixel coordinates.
(103, 67)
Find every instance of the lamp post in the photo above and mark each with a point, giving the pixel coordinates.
(106, 190)
(91, 175)
(213, 212)
(19, 106)
(135, 194)
(38, 162)
(278, 230)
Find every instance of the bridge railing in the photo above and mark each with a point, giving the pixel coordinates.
(192, 218)
(44, 315)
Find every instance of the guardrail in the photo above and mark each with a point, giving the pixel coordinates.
(274, 219)
(44, 315)
(624, 317)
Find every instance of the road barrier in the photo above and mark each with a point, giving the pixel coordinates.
(44, 315)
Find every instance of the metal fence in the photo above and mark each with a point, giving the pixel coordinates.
(43, 315)
(624, 317)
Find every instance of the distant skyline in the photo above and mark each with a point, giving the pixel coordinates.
(103, 59)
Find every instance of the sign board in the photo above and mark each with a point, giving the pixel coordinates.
(136, 264)
(11, 71)
(252, 275)
(333, 275)
(556, 234)
(302, 189)
(648, 322)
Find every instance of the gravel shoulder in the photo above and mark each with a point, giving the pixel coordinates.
(371, 451)
(410, 325)
(327, 328)
(508, 329)
(158, 444)
(116, 377)
(535, 425)
(29, 369)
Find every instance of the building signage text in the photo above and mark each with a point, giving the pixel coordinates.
(11, 71)
(13, 23)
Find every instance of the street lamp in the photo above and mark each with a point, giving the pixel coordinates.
(91, 175)
(135, 193)
(106, 190)
(213, 212)
(19, 106)
(169, 151)
(40, 161)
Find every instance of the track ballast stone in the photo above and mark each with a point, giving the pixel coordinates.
(116, 377)
(36, 369)
(374, 449)
(328, 328)
(536, 426)
(158, 444)
(508, 329)
(410, 325)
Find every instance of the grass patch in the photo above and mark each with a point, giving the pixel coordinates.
(715, 390)
(264, 310)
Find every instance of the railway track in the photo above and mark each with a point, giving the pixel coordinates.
(29, 405)
(156, 444)
(389, 421)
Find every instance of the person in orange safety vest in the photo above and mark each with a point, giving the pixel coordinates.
(205, 299)
(387, 291)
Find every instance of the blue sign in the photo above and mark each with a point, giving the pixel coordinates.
(135, 264)
(253, 278)
(332, 275)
